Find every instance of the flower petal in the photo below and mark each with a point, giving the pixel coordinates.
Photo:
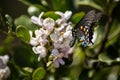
(43, 41)
(38, 33)
(67, 34)
(30, 32)
(60, 13)
(37, 20)
(39, 58)
(60, 21)
(40, 22)
(56, 64)
(34, 50)
(54, 37)
(34, 19)
(6, 58)
(49, 24)
(61, 28)
(55, 52)
(67, 15)
(43, 54)
(39, 50)
(61, 61)
(34, 41)
(41, 14)
(57, 45)
(69, 28)
(64, 50)
(60, 39)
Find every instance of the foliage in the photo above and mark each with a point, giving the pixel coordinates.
(100, 61)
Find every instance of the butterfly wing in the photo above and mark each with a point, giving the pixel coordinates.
(84, 28)
(88, 19)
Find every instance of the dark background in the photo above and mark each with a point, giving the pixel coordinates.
(13, 7)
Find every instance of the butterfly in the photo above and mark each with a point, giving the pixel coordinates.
(83, 31)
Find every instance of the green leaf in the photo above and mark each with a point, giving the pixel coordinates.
(77, 64)
(16, 72)
(1, 50)
(26, 22)
(101, 3)
(101, 74)
(104, 58)
(78, 57)
(35, 3)
(51, 14)
(23, 56)
(90, 3)
(23, 33)
(114, 33)
(40, 7)
(39, 74)
(8, 42)
(60, 5)
(77, 17)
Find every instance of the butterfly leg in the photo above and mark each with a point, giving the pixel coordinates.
(72, 42)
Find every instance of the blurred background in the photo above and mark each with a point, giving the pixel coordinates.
(98, 62)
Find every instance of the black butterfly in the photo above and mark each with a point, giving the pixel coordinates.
(84, 28)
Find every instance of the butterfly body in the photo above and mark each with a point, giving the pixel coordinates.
(83, 31)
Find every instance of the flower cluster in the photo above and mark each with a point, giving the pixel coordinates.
(4, 69)
(53, 37)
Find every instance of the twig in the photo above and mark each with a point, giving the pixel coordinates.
(105, 39)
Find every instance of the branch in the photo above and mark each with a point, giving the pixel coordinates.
(105, 39)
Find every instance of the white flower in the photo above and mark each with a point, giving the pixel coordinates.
(60, 21)
(40, 50)
(61, 28)
(67, 34)
(59, 54)
(43, 41)
(64, 51)
(49, 24)
(55, 52)
(57, 45)
(40, 37)
(65, 15)
(5, 58)
(41, 32)
(69, 27)
(4, 73)
(37, 20)
(57, 38)
(4, 69)
(53, 36)
(58, 61)
(34, 41)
